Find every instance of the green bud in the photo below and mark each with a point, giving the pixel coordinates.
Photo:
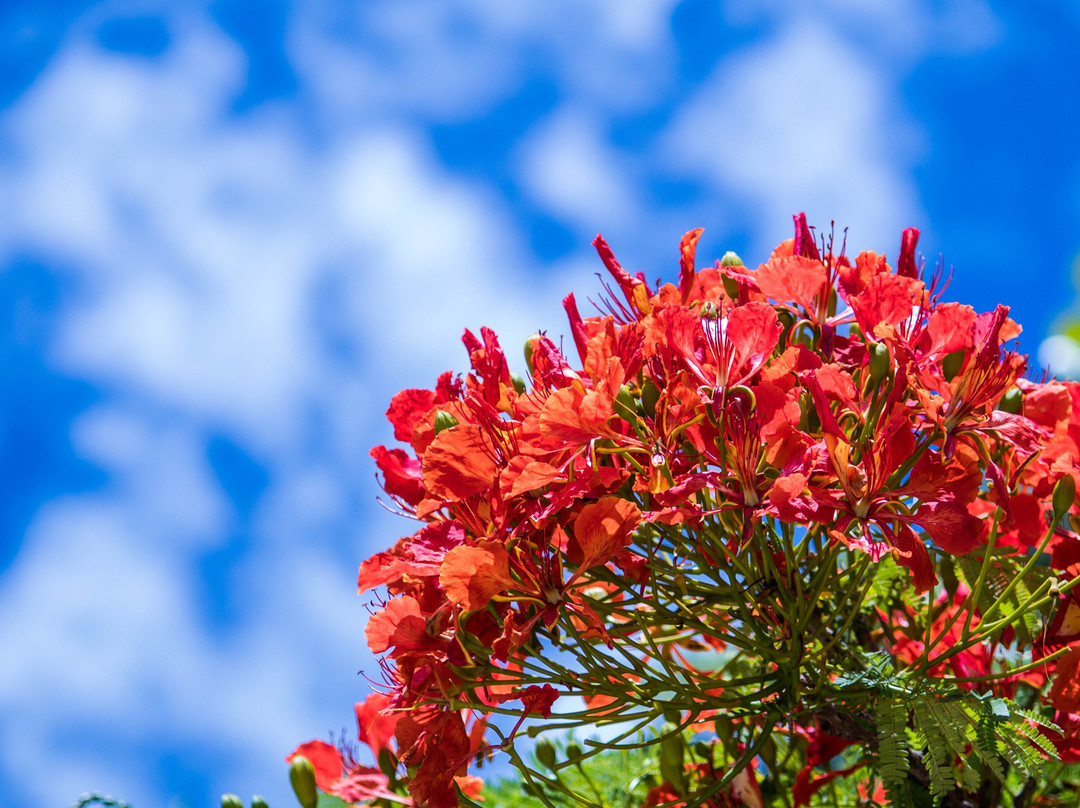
(231, 801)
(444, 420)
(573, 751)
(302, 777)
(673, 757)
(731, 287)
(947, 573)
(1064, 497)
(768, 753)
(951, 364)
(386, 762)
(1012, 401)
(703, 750)
(731, 259)
(258, 802)
(624, 405)
(530, 343)
(545, 753)
(880, 362)
(519, 383)
(650, 394)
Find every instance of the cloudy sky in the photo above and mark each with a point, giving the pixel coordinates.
(230, 232)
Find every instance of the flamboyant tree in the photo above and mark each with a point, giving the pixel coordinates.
(794, 531)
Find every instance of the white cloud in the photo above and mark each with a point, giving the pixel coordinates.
(572, 171)
(1061, 356)
(802, 122)
(200, 244)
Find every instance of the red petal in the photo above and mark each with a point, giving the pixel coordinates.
(687, 249)
(754, 330)
(375, 726)
(399, 625)
(575, 417)
(951, 327)
(325, 759)
(407, 408)
(401, 474)
(885, 300)
(1065, 692)
(913, 555)
(792, 280)
(853, 279)
(905, 265)
(471, 576)
(602, 528)
(456, 464)
(951, 526)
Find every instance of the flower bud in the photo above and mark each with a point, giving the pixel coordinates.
(519, 383)
(387, 764)
(302, 777)
(731, 259)
(444, 420)
(624, 404)
(952, 364)
(650, 394)
(1064, 496)
(573, 751)
(879, 362)
(673, 757)
(545, 753)
(731, 287)
(258, 802)
(1012, 401)
(231, 801)
(530, 346)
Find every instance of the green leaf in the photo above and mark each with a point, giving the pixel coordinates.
(892, 758)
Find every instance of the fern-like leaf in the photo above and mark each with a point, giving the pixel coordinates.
(934, 734)
(892, 759)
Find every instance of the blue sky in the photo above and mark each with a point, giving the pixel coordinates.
(231, 232)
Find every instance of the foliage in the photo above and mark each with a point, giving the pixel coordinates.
(784, 535)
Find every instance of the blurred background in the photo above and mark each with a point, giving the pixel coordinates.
(229, 232)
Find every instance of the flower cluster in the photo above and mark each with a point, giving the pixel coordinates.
(746, 508)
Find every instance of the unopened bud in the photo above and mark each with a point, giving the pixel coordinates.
(302, 777)
(545, 753)
(519, 383)
(530, 346)
(1012, 401)
(258, 802)
(444, 420)
(730, 259)
(573, 751)
(879, 362)
(231, 801)
(1064, 496)
(650, 394)
(672, 757)
(952, 364)
(624, 404)
(387, 764)
(731, 287)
